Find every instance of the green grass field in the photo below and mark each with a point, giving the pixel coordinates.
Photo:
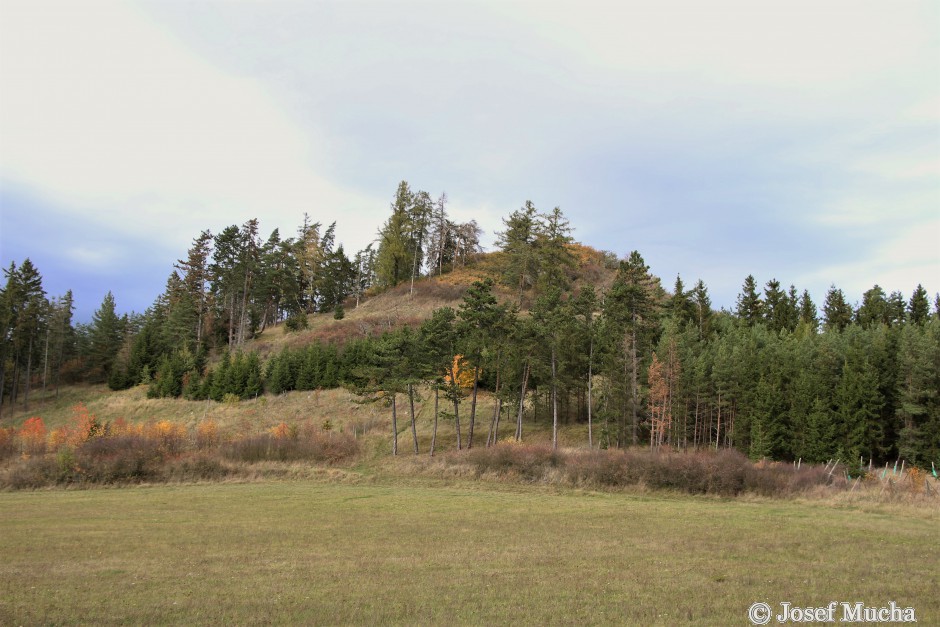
(428, 552)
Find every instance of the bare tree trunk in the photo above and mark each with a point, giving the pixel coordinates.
(634, 388)
(45, 366)
(590, 387)
(16, 379)
(434, 431)
(231, 320)
(525, 381)
(3, 377)
(29, 370)
(489, 437)
(411, 403)
(554, 405)
(457, 420)
(718, 427)
(473, 405)
(499, 412)
(394, 427)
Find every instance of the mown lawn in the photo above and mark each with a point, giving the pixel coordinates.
(308, 552)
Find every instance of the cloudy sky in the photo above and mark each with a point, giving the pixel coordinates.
(796, 140)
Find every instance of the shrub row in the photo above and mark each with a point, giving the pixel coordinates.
(87, 452)
(725, 473)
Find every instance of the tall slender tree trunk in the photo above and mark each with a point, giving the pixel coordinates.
(590, 387)
(718, 427)
(3, 378)
(525, 381)
(634, 389)
(231, 320)
(45, 366)
(394, 426)
(16, 379)
(434, 430)
(411, 404)
(457, 419)
(489, 436)
(473, 405)
(554, 405)
(29, 370)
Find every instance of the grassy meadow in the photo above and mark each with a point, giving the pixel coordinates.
(368, 553)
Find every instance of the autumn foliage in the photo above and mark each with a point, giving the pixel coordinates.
(461, 372)
(87, 451)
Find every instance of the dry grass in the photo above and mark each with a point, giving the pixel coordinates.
(305, 552)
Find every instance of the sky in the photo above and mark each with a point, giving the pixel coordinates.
(795, 140)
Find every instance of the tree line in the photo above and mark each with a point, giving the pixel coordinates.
(775, 377)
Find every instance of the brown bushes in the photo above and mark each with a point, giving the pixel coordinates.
(122, 453)
(722, 473)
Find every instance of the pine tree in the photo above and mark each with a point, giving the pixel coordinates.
(837, 313)
(553, 242)
(808, 314)
(749, 306)
(479, 316)
(630, 317)
(395, 257)
(874, 309)
(439, 339)
(919, 307)
(107, 334)
(518, 242)
(702, 307)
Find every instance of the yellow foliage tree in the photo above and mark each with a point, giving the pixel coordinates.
(461, 372)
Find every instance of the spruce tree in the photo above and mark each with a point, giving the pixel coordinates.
(919, 307)
(106, 337)
(837, 313)
(749, 306)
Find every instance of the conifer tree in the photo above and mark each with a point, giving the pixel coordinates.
(808, 313)
(107, 334)
(394, 260)
(919, 307)
(630, 313)
(750, 307)
(837, 313)
(518, 242)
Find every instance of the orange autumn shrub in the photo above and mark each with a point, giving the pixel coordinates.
(282, 431)
(58, 438)
(7, 446)
(121, 427)
(32, 436)
(207, 434)
(85, 425)
(168, 435)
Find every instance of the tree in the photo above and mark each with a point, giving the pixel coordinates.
(837, 313)
(107, 334)
(479, 316)
(584, 307)
(808, 314)
(553, 324)
(630, 312)
(874, 309)
(702, 306)
(196, 277)
(518, 242)
(553, 241)
(776, 313)
(919, 307)
(439, 339)
(395, 256)
(749, 307)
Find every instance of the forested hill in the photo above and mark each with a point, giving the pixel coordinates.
(542, 320)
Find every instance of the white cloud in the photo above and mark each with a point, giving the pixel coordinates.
(899, 262)
(106, 114)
